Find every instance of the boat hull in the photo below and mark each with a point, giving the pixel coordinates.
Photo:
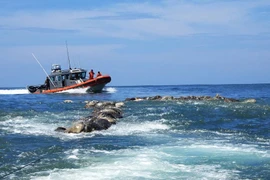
(95, 85)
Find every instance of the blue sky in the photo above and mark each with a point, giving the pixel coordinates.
(137, 42)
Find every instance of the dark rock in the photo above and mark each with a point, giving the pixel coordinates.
(60, 129)
(130, 99)
(97, 124)
(158, 97)
(116, 113)
(229, 100)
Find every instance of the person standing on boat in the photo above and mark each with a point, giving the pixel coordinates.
(47, 83)
(91, 74)
(99, 74)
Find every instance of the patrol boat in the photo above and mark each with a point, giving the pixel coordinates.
(72, 78)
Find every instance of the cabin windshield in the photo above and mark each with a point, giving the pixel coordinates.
(56, 78)
(66, 76)
(59, 78)
(76, 76)
(83, 75)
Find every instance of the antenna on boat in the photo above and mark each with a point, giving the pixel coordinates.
(79, 62)
(68, 56)
(43, 69)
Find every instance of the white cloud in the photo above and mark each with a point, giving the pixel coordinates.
(56, 54)
(166, 19)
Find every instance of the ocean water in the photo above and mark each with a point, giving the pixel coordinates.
(154, 140)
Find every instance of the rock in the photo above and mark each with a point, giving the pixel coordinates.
(104, 114)
(219, 97)
(102, 105)
(109, 118)
(158, 97)
(230, 100)
(130, 99)
(114, 112)
(184, 98)
(206, 97)
(249, 101)
(119, 104)
(138, 99)
(68, 101)
(118, 110)
(91, 104)
(76, 128)
(97, 124)
(181, 98)
(167, 98)
(60, 129)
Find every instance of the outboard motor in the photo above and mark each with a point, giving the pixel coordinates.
(32, 89)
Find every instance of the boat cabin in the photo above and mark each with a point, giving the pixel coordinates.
(61, 78)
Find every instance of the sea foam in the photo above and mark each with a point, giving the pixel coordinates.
(143, 163)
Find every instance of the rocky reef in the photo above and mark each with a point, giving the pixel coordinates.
(190, 98)
(106, 113)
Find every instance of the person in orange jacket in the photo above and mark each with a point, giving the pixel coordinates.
(91, 74)
(99, 74)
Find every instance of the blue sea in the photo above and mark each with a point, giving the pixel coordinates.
(154, 139)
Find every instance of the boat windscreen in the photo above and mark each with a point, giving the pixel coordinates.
(76, 76)
(83, 75)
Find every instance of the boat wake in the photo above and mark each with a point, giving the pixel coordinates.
(110, 89)
(85, 90)
(71, 91)
(14, 91)
(75, 91)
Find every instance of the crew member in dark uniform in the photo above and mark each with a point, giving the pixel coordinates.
(47, 83)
